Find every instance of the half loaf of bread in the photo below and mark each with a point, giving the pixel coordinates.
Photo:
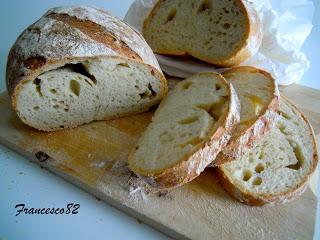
(192, 124)
(79, 64)
(221, 32)
(278, 168)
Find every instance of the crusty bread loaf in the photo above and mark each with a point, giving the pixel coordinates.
(79, 64)
(259, 99)
(221, 32)
(278, 168)
(192, 124)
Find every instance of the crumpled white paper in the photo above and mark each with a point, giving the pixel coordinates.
(286, 25)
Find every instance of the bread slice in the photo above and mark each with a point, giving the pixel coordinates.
(278, 168)
(259, 98)
(79, 64)
(192, 124)
(221, 32)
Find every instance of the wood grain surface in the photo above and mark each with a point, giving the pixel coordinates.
(94, 157)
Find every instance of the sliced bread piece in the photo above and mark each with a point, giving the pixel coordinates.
(259, 99)
(79, 64)
(192, 124)
(221, 32)
(278, 168)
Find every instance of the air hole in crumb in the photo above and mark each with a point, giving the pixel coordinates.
(56, 106)
(81, 68)
(36, 108)
(259, 168)
(75, 87)
(285, 115)
(261, 156)
(52, 90)
(124, 64)
(195, 141)
(36, 81)
(186, 85)
(226, 25)
(148, 93)
(257, 181)
(246, 175)
(218, 87)
(205, 5)
(171, 15)
(298, 154)
(189, 120)
(66, 109)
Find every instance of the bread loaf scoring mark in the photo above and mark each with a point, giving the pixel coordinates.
(34, 62)
(97, 33)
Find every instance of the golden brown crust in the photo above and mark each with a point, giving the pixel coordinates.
(97, 33)
(190, 167)
(249, 137)
(258, 200)
(250, 46)
(55, 40)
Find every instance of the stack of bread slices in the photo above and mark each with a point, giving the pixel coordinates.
(79, 64)
(265, 152)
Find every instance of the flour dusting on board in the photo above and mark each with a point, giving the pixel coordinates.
(137, 189)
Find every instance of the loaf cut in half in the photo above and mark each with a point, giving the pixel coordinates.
(278, 168)
(79, 64)
(259, 99)
(192, 124)
(221, 32)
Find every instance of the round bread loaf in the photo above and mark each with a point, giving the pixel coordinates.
(79, 64)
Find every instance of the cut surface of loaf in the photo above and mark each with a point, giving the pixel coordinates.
(79, 64)
(220, 32)
(188, 129)
(278, 168)
(94, 89)
(259, 99)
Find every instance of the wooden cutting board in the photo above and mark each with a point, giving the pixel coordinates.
(94, 157)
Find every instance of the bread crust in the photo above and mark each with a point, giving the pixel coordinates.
(68, 35)
(247, 49)
(249, 137)
(191, 167)
(259, 200)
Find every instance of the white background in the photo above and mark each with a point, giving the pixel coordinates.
(24, 182)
